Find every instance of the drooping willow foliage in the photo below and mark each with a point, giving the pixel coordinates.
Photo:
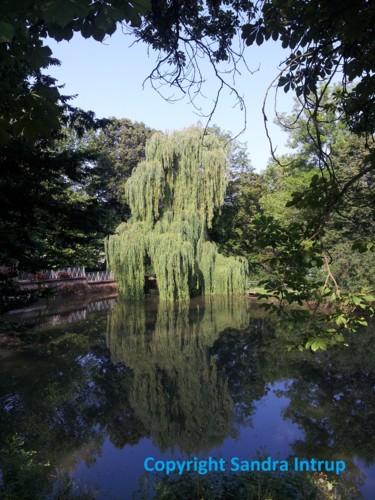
(173, 195)
(178, 392)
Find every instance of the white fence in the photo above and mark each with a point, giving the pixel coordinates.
(100, 276)
(78, 315)
(64, 273)
(49, 274)
(101, 305)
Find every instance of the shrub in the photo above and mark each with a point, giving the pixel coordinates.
(63, 275)
(41, 276)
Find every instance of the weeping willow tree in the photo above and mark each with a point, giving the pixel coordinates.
(173, 194)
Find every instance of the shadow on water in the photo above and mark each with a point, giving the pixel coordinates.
(86, 403)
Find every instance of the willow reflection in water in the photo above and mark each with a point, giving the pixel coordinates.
(187, 377)
(177, 392)
(200, 369)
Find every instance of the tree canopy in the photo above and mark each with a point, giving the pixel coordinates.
(172, 196)
(338, 47)
(31, 103)
(342, 42)
(60, 198)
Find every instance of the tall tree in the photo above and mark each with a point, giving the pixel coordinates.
(316, 221)
(233, 225)
(47, 218)
(120, 146)
(172, 196)
(72, 192)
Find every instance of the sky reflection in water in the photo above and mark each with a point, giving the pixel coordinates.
(98, 396)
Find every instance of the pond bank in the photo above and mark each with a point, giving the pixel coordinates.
(70, 286)
(51, 311)
(19, 294)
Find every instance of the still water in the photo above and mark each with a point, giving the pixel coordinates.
(97, 390)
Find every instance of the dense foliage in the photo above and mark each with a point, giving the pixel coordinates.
(341, 43)
(46, 217)
(172, 196)
(307, 231)
(340, 46)
(119, 147)
(60, 198)
(31, 104)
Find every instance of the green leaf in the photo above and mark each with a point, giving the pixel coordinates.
(86, 30)
(142, 6)
(246, 31)
(308, 344)
(362, 322)
(63, 12)
(259, 38)
(105, 22)
(58, 33)
(319, 344)
(339, 337)
(97, 34)
(357, 300)
(132, 16)
(40, 57)
(341, 320)
(6, 32)
(250, 38)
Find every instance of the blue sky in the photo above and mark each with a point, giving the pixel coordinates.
(107, 78)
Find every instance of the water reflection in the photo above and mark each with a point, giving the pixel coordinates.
(55, 311)
(332, 397)
(177, 392)
(187, 377)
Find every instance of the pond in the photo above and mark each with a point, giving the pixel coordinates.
(103, 396)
